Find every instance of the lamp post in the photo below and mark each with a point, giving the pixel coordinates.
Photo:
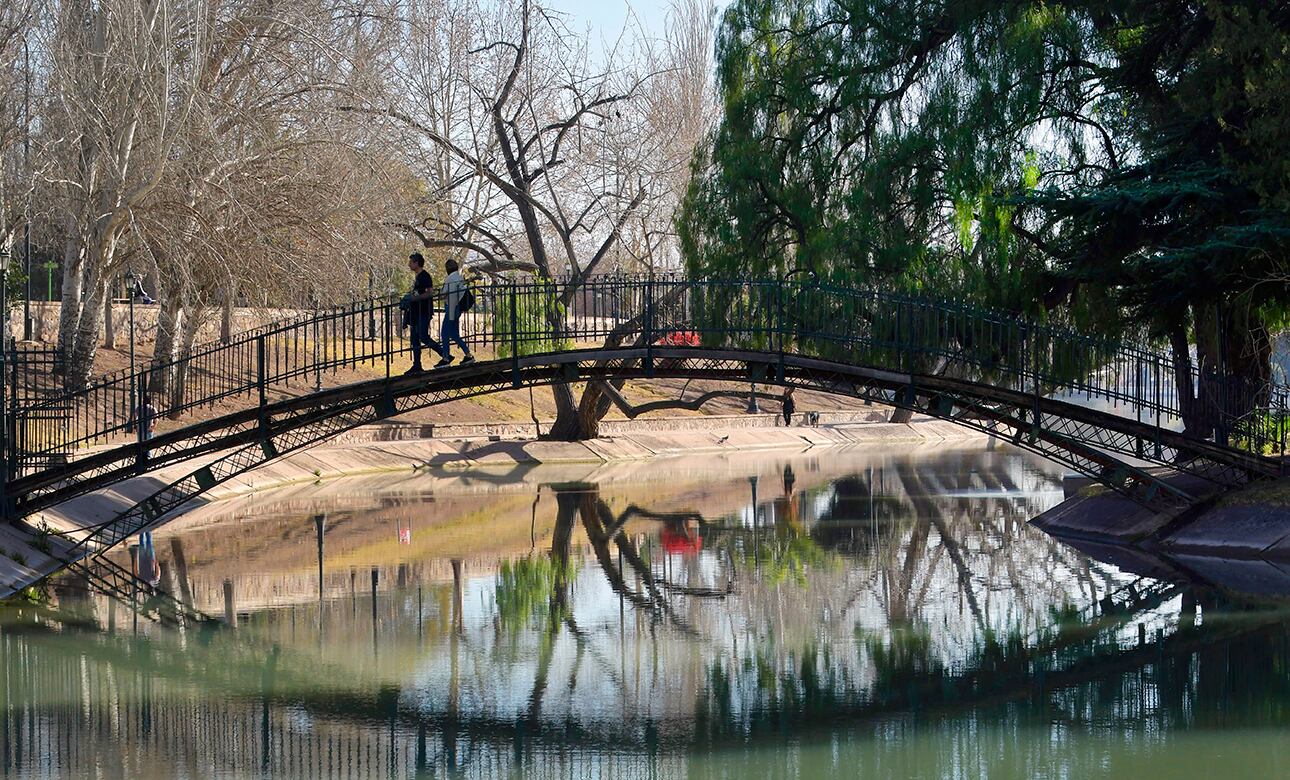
(26, 166)
(7, 446)
(132, 281)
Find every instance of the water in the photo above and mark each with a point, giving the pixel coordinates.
(838, 613)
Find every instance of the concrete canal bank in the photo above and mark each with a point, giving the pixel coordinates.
(396, 448)
(1250, 522)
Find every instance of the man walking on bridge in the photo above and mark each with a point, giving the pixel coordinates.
(422, 310)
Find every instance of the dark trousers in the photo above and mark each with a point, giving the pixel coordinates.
(788, 414)
(421, 337)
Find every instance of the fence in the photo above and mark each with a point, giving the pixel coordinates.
(869, 327)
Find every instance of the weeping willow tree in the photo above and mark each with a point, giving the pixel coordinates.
(887, 143)
(1111, 165)
(1191, 232)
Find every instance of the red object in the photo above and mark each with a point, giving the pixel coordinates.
(405, 535)
(677, 541)
(679, 338)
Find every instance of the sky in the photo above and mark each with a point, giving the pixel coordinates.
(606, 17)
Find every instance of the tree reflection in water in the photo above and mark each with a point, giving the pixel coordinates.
(907, 601)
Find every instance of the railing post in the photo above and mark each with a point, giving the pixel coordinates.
(140, 391)
(317, 326)
(1159, 397)
(5, 418)
(1034, 370)
(260, 384)
(515, 337)
(1137, 385)
(780, 323)
(648, 326)
(387, 341)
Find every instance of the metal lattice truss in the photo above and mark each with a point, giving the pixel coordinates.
(1088, 441)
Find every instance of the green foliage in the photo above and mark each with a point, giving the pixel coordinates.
(879, 143)
(1201, 215)
(536, 307)
(41, 539)
(788, 558)
(1098, 162)
(523, 591)
(15, 287)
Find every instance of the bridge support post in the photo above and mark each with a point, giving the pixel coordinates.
(141, 435)
(780, 326)
(230, 606)
(260, 386)
(515, 338)
(648, 326)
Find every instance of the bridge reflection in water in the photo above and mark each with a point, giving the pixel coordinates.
(879, 612)
(263, 395)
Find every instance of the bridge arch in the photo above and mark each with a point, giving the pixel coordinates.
(295, 424)
(866, 344)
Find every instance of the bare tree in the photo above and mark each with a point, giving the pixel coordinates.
(123, 82)
(540, 157)
(268, 177)
(16, 22)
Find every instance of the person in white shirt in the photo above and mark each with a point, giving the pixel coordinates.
(454, 286)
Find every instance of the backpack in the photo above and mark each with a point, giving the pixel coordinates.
(467, 301)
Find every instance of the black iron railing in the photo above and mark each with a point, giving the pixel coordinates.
(868, 327)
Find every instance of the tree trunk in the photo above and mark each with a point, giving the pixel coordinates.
(584, 423)
(1209, 395)
(569, 424)
(169, 315)
(69, 308)
(1193, 421)
(85, 346)
(188, 334)
(899, 415)
(226, 315)
(1248, 360)
(109, 325)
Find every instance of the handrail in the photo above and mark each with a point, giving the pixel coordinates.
(870, 326)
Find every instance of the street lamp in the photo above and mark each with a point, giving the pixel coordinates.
(26, 166)
(8, 444)
(132, 283)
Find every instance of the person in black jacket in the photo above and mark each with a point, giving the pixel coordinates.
(422, 310)
(789, 406)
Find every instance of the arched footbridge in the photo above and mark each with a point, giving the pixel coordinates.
(1111, 410)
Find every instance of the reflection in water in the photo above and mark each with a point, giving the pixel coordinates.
(793, 617)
